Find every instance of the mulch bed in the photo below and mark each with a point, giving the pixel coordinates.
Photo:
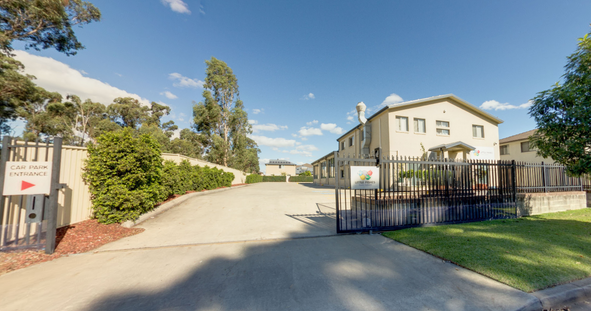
(73, 239)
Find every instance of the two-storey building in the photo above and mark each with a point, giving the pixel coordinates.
(442, 126)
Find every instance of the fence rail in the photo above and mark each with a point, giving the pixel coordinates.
(540, 177)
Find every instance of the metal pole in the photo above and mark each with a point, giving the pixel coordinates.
(52, 208)
(336, 189)
(3, 159)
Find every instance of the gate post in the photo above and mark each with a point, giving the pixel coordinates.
(336, 189)
(514, 184)
(53, 195)
(3, 159)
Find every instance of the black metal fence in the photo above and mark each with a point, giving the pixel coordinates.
(415, 192)
(540, 177)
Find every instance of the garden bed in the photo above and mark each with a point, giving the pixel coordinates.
(73, 239)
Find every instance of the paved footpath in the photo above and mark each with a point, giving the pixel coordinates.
(261, 247)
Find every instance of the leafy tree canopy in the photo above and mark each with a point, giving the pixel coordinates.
(563, 114)
(44, 24)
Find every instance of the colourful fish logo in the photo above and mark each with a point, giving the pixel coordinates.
(365, 175)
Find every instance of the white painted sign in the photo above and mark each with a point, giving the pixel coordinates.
(483, 153)
(27, 178)
(365, 177)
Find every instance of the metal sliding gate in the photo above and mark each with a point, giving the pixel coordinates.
(415, 192)
(29, 221)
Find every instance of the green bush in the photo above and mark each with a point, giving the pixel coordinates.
(253, 178)
(124, 175)
(301, 179)
(273, 178)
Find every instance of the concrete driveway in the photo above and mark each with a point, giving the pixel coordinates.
(261, 247)
(262, 211)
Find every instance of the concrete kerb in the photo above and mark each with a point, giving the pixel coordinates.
(560, 296)
(168, 205)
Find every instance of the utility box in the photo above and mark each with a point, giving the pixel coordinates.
(35, 206)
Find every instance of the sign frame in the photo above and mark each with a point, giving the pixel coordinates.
(365, 178)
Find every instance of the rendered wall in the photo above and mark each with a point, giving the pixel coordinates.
(540, 203)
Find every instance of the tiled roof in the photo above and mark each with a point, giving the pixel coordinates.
(521, 136)
(280, 162)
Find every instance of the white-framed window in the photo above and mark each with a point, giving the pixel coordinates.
(343, 145)
(477, 131)
(402, 124)
(442, 128)
(351, 140)
(419, 125)
(525, 147)
(504, 149)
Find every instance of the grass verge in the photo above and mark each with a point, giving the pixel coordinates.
(529, 253)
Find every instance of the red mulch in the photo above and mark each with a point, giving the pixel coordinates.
(73, 239)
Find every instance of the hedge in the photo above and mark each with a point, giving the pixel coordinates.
(253, 178)
(301, 179)
(126, 176)
(273, 178)
(123, 174)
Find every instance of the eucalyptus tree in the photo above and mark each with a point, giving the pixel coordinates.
(44, 24)
(220, 119)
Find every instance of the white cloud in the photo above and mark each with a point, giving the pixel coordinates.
(178, 6)
(267, 127)
(309, 96)
(307, 148)
(312, 122)
(331, 127)
(392, 99)
(58, 77)
(309, 131)
(495, 105)
(273, 142)
(182, 117)
(304, 138)
(257, 111)
(350, 118)
(83, 72)
(118, 74)
(169, 95)
(265, 161)
(182, 81)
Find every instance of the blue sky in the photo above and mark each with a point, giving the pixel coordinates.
(302, 66)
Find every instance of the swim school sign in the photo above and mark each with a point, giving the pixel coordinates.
(365, 177)
(27, 178)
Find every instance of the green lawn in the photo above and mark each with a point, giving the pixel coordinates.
(529, 253)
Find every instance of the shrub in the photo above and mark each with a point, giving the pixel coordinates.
(253, 178)
(273, 178)
(301, 179)
(124, 175)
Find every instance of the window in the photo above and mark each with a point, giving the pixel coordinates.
(525, 146)
(280, 166)
(351, 140)
(402, 124)
(323, 170)
(342, 145)
(505, 150)
(342, 173)
(442, 128)
(420, 126)
(478, 131)
(331, 168)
